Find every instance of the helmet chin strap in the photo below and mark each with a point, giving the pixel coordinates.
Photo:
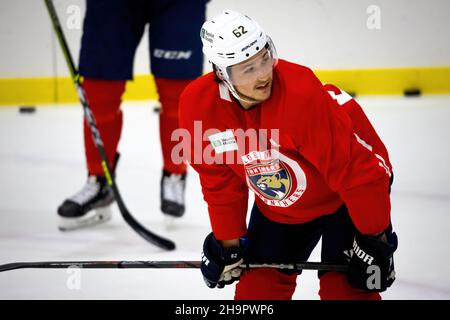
(240, 96)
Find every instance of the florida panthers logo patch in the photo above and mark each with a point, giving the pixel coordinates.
(275, 178)
(271, 179)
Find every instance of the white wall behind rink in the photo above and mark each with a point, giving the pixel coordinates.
(323, 34)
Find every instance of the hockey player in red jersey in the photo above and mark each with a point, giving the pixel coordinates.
(314, 162)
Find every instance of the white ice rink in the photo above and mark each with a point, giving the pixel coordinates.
(42, 162)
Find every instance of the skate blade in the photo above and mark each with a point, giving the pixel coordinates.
(93, 217)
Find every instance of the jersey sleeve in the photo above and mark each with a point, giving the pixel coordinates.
(326, 137)
(361, 123)
(227, 198)
(223, 190)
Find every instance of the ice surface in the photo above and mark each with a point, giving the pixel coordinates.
(42, 162)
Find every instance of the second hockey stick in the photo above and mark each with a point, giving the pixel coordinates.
(145, 233)
(164, 265)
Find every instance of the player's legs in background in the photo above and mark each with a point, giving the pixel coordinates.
(173, 178)
(271, 242)
(176, 59)
(337, 239)
(105, 97)
(111, 32)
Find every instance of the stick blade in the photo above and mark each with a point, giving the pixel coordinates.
(12, 266)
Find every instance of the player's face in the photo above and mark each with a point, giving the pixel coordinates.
(253, 77)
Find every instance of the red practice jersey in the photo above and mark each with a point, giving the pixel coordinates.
(304, 152)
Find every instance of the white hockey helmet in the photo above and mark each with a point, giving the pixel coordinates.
(231, 38)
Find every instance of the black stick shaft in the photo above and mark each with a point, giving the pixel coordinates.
(163, 265)
(145, 233)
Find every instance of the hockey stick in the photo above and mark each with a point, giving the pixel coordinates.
(146, 234)
(164, 265)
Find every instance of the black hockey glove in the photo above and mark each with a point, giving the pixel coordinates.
(220, 266)
(371, 264)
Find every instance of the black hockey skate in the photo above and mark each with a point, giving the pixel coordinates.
(90, 206)
(172, 194)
